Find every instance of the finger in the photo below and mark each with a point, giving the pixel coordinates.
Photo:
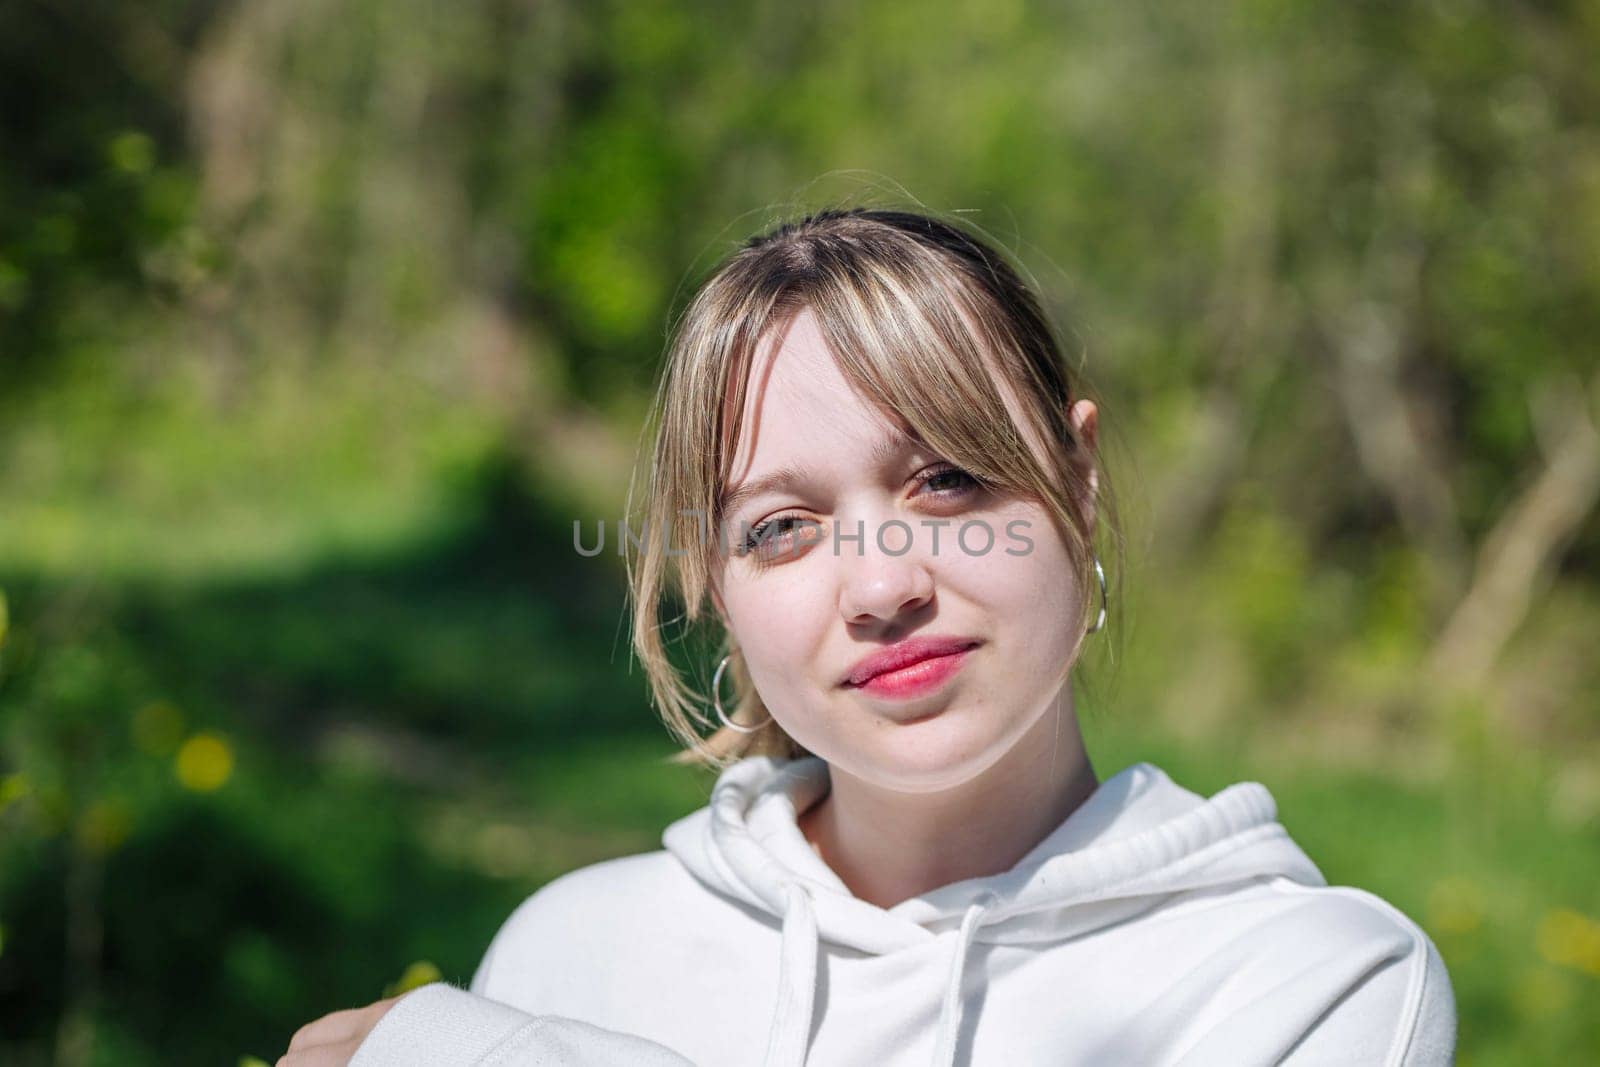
(338, 1054)
(340, 1025)
(323, 1031)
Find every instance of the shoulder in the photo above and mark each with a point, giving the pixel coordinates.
(1394, 996)
(603, 891)
(568, 917)
(603, 886)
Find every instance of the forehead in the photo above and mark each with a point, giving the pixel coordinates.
(799, 401)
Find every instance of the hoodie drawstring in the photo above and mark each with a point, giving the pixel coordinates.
(944, 1052)
(797, 980)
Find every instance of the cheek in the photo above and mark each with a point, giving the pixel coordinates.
(777, 622)
(1025, 583)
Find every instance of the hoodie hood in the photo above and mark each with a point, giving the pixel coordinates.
(1136, 840)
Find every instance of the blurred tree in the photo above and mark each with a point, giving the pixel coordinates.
(94, 179)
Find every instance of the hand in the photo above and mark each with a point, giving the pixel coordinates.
(333, 1039)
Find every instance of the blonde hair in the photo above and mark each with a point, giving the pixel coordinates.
(931, 324)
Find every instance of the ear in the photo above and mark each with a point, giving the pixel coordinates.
(1084, 418)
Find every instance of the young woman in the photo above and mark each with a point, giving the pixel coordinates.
(876, 470)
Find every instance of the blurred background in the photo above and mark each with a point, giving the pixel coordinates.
(321, 322)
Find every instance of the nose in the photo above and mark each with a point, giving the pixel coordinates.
(878, 586)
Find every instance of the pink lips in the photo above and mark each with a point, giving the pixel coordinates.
(913, 667)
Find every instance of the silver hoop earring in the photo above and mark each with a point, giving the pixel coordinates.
(1099, 573)
(716, 702)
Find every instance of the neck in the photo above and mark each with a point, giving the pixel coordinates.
(889, 846)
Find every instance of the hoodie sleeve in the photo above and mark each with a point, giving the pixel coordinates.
(1346, 978)
(1402, 1014)
(1431, 1033)
(441, 1025)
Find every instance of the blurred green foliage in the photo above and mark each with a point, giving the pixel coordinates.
(319, 324)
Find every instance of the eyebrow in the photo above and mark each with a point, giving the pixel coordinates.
(788, 475)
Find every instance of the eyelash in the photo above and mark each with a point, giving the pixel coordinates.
(757, 532)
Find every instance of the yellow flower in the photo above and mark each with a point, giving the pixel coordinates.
(1570, 939)
(417, 975)
(204, 762)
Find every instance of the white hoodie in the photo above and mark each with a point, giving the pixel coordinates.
(1152, 926)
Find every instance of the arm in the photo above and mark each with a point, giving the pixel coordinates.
(440, 1025)
(1359, 984)
(1432, 1035)
(1365, 1025)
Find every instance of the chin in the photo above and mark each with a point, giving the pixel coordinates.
(926, 755)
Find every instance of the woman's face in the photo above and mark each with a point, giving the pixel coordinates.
(806, 606)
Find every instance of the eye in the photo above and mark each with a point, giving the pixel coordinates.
(948, 480)
(769, 533)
